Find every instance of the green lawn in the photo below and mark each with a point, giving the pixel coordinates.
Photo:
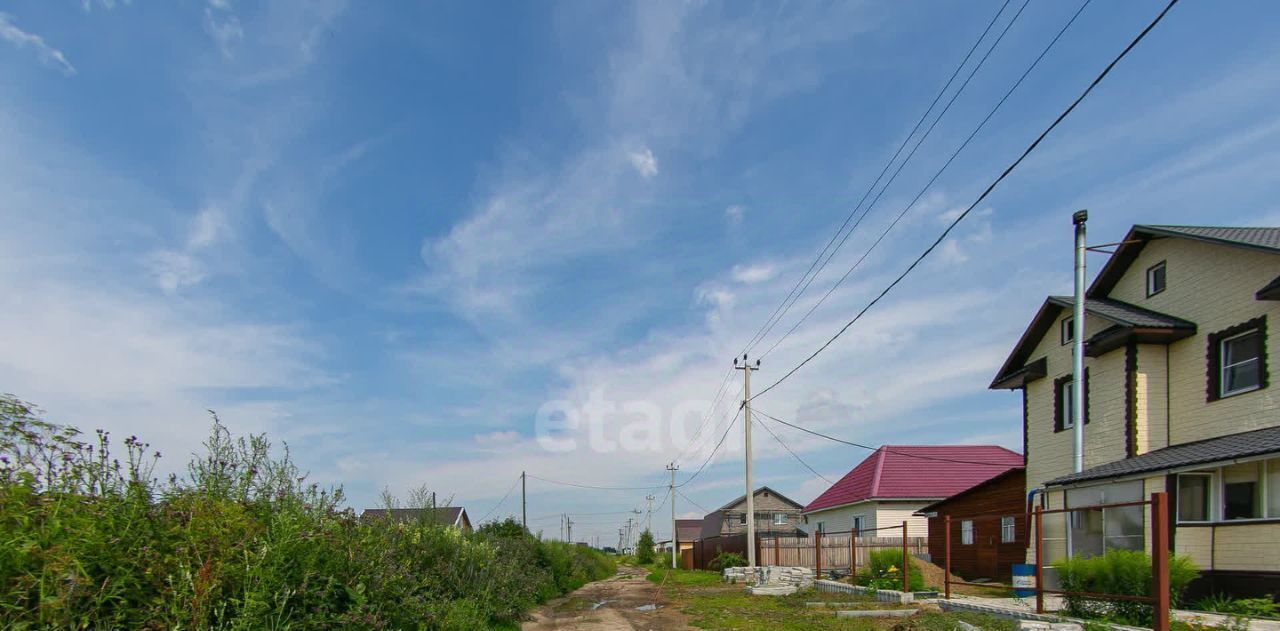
(711, 604)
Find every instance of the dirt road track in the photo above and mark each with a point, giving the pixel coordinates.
(620, 595)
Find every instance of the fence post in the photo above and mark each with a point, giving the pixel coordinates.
(1039, 561)
(1160, 561)
(853, 556)
(756, 543)
(777, 550)
(817, 553)
(946, 556)
(906, 564)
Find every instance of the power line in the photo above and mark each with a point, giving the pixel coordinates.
(985, 193)
(504, 498)
(723, 436)
(802, 284)
(870, 448)
(793, 454)
(593, 486)
(704, 509)
(814, 307)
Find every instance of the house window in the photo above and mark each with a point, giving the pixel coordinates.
(1195, 497)
(779, 519)
(1008, 531)
(1155, 279)
(1068, 405)
(1238, 359)
(1241, 359)
(1068, 332)
(1242, 492)
(966, 532)
(742, 519)
(858, 525)
(822, 526)
(1094, 531)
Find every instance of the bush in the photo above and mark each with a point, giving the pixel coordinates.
(1252, 607)
(644, 548)
(726, 560)
(884, 571)
(1120, 572)
(241, 541)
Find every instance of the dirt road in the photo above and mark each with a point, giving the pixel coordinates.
(621, 603)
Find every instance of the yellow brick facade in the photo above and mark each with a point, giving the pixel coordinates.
(1212, 285)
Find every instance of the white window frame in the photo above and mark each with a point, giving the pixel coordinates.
(779, 519)
(1151, 272)
(856, 526)
(1223, 365)
(1221, 488)
(966, 532)
(1212, 504)
(1068, 333)
(1008, 530)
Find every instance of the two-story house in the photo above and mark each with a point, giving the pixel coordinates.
(1177, 399)
(776, 514)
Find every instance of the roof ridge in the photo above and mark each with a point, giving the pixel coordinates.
(875, 477)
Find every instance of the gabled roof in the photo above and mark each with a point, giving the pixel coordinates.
(1129, 322)
(977, 488)
(1264, 239)
(917, 472)
(447, 515)
(742, 498)
(1245, 444)
(688, 529)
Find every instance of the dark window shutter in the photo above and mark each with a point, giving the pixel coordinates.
(1086, 396)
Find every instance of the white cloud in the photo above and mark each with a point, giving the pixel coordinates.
(224, 27)
(752, 274)
(498, 437)
(175, 269)
(644, 162)
(49, 55)
(734, 215)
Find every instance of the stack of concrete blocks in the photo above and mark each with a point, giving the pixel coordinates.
(773, 580)
(881, 595)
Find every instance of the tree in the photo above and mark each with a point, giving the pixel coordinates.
(644, 549)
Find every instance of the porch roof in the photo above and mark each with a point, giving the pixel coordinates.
(1243, 445)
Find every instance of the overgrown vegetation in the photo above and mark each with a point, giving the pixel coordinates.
(1119, 572)
(1252, 607)
(884, 571)
(725, 560)
(644, 548)
(92, 540)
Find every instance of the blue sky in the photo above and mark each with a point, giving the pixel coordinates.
(390, 234)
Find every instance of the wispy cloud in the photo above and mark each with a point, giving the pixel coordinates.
(174, 269)
(223, 26)
(644, 162)
(48, 55)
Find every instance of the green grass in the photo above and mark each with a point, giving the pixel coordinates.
(666, 576)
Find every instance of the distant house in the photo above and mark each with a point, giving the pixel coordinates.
(455, 516)
(893, 483)
(775, 514)
(688, 531)
(988, 546)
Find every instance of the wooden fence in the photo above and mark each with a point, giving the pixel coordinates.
(835, 549)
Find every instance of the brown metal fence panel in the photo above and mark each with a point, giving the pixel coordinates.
(835, 549)
(705, 550)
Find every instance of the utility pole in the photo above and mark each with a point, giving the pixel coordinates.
(675, 533)
(619, 541)
(524, 512)
(568, 522)
(746, 425)
(1077, 359)
(648, 514)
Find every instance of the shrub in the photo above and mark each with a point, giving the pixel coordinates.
(1252, 607)
(644, 548)
(1120, 572)
(884, 571)
(241, 541)
(726, 560)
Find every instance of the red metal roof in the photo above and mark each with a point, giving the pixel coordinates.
(918, 472)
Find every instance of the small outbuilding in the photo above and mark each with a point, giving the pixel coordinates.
(989, 527)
